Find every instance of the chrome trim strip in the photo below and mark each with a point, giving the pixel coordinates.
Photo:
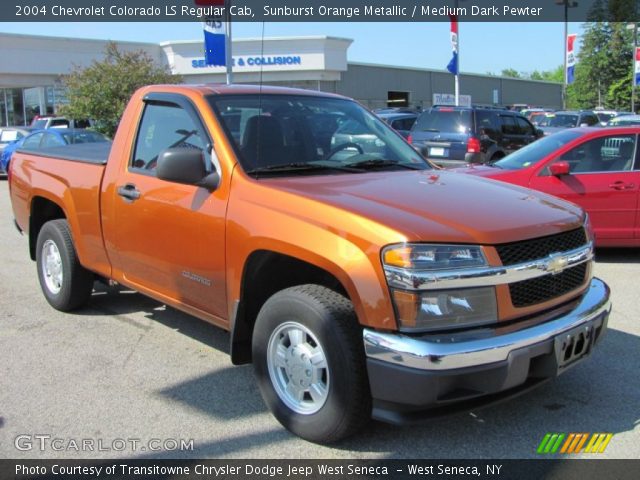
(468, 349)
(487, 276)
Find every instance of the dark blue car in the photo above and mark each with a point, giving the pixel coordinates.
(456, 136)
(40, 139)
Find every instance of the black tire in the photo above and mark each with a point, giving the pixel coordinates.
(495, 157)
(332, 321)
(76, 282)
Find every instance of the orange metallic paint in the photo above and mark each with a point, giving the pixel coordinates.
(338, 223)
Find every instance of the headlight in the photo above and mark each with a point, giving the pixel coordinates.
(588, 229)
(445, 309)
(431, 310)
(433, 257)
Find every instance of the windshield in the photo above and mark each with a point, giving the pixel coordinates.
(559, 120)
(622, 121)
(605, 117)
(536, 118)
(287, 134)
(444, 120)
(84, 136)
(536, 151)
(8, 136)
(42, 123)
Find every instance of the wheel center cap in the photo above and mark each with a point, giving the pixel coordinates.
(300, 368)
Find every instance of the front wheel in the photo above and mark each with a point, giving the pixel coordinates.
(65, 283)
(310, 365)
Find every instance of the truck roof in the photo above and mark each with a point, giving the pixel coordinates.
(240, 89)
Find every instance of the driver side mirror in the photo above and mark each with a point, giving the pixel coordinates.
(539, 133)
(185, 165)
(559, 168)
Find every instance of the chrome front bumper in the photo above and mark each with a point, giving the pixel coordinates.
(413, 378)
(454, 351)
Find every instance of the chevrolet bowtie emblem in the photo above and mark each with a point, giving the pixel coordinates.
(557, 263)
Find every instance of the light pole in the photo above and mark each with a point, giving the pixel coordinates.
(634, 27)
(567, 4)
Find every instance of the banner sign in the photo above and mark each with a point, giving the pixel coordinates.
(571, 59)
(450, 99)
(214, 33)
(453, 64)
(637, 70)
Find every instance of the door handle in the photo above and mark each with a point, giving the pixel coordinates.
(620, 185)
(129, 192)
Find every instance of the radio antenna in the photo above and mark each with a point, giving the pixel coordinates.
(260, 97)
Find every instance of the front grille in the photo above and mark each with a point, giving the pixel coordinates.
(518, 252)
(548, 287)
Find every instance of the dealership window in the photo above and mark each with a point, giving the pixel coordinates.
(14, 107)
(33, 99)
(397, 99)
(19, 106)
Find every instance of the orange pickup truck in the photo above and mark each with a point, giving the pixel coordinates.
(359, 281)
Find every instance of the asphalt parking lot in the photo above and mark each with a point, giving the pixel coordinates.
(129, 368)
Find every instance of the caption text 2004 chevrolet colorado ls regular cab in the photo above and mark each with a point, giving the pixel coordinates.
(358, 280)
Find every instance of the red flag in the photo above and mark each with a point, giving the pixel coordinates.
(453, 64)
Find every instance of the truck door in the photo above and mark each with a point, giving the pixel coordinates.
(170, 236)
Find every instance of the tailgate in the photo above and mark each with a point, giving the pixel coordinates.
(439, 146)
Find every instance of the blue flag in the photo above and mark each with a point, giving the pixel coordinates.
(214, 41)
(452, 66)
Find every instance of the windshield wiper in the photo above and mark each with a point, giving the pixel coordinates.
(380, 162)
(299, 166)
(430, 130)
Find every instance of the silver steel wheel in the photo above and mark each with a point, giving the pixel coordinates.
(52, 266)
(298, 368)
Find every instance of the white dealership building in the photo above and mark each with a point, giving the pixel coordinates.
(32, 67)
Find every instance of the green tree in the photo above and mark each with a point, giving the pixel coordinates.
(510, 72)
(101, 91)
(555, 75)
(604, 60)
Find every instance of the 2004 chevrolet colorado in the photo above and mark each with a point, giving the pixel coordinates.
(358, 280)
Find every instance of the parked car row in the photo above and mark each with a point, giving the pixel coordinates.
(9, 135)
(31, 139)
(595, 168)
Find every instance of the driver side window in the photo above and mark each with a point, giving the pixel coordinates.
(603, 154)
(164, 126)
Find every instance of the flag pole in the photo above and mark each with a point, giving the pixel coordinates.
(454, 64)
(228, 60)
(457, 77)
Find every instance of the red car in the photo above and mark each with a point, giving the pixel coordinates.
(597, 169)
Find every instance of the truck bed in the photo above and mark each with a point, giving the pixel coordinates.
(71, 176)
(95, 153)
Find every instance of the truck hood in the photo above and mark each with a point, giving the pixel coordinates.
(480, 170)
(435, 206)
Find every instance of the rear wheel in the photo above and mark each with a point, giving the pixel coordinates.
(65, 283)
(310, 365)
(495, 157)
